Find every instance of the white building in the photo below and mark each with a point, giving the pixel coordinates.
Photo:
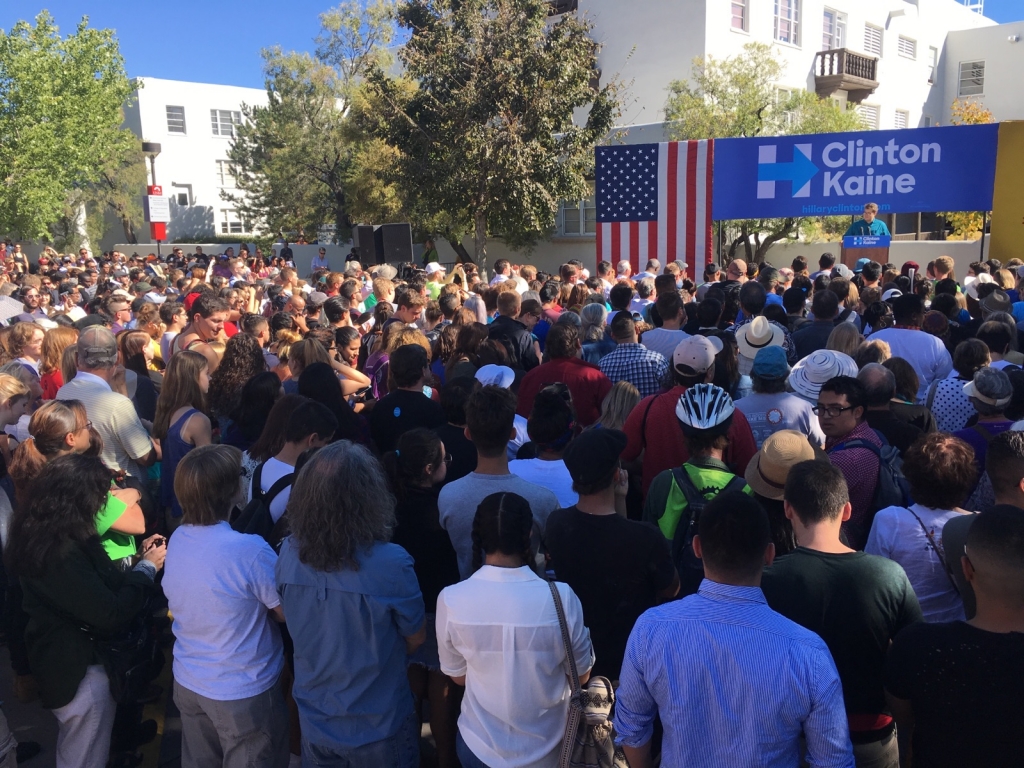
(193, 123)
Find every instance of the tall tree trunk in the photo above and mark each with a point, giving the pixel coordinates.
(480, 238)
(129, 230)
(461, 254)
(746, 245)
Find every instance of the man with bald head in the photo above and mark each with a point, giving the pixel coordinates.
(879, 390)
(957, 688)
(127, 446)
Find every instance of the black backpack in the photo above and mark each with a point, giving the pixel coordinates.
(892, 489)
(689, 566)
(255, 516)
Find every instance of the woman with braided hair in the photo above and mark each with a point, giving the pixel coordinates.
(498, 631)
(417, 468)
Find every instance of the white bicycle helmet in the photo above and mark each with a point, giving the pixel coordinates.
(704, 407)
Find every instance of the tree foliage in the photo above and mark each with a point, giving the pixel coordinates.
(741, 96)
(482, 117)
(293, 159)
(967, 224)
(61, 104)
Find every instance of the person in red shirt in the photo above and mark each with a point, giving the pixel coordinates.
(586, 383)
(652, 430)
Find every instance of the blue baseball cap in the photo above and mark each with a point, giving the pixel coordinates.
(770, 363)
(859, 266)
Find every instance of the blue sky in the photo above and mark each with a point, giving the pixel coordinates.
(218, 41)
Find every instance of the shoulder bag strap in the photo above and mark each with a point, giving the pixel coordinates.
(935, 549)
(643, 424)
(257, 480)
(987, 436)
(931, 394)
(574, 676)
(282, 482)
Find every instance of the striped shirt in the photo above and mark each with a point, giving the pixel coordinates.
(734, 683)
(125, 439)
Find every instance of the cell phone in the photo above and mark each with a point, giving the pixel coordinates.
(64, 295)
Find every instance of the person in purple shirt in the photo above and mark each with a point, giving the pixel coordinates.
(990, 392)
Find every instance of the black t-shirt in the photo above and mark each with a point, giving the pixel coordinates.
(461, 449)
(399, 411)
(856, 603)
(966, 687)
(420, 533)
(616, 567)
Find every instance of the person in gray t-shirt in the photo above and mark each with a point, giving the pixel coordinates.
(490, 414)
(770, 408)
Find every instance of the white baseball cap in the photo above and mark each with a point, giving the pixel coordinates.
(433, 267)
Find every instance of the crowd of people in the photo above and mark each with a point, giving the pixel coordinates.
(783, 509)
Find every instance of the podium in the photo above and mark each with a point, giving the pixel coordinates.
(874, 247)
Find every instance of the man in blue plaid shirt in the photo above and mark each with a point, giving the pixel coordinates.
(633, 362)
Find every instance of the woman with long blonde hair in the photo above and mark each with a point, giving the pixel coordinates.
(181, 423)
(51, 377)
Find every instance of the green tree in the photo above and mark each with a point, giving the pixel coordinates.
(486, 139)
(61, 104)
(967, 224)
(741, 96)
(293, 158)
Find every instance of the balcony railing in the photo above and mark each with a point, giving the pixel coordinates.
(841, 69)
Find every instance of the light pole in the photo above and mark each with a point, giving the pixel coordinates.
(157, 210)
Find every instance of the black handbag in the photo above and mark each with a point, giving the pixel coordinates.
(132, 658)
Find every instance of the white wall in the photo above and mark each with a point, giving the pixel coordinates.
(1004, 68)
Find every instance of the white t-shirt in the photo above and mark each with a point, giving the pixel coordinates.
(926, 354)
(663, 340)
(897, 535)
(638, 305)
(273, 471)
(549, 474)
(165, 345)
(220, 588)
(521, 438)
(499, 628)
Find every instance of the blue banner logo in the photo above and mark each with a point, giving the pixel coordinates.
(925, 169)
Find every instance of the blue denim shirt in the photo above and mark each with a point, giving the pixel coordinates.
(349, 629)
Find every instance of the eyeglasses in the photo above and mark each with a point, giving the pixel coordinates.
(447, 459)
(832, 411)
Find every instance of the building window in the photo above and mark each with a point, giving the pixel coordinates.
(782, 97)
(787, 21)
(933, 56)
(739, 14)
(926, 121)
(577, 217)
(224, 121)
(175, 119)
(869, 114)
(230, 222)
(558, 7)
(902, 119)
(907, 47)
(833, 33)
(225, 174)
(182, 199)
(972, 78)
(872, 40)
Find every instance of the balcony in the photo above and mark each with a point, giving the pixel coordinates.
(844, 70)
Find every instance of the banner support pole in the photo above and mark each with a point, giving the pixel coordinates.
(981, 240)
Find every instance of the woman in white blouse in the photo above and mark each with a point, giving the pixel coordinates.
(941, 471)
(498, 634)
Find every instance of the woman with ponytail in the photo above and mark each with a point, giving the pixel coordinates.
(62, 427)
(181, 423)
(498, 631)
(416, 469)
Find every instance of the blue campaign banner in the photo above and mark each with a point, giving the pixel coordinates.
(867, 241)
(831, 174)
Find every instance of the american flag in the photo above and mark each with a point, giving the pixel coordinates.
(654, 202)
